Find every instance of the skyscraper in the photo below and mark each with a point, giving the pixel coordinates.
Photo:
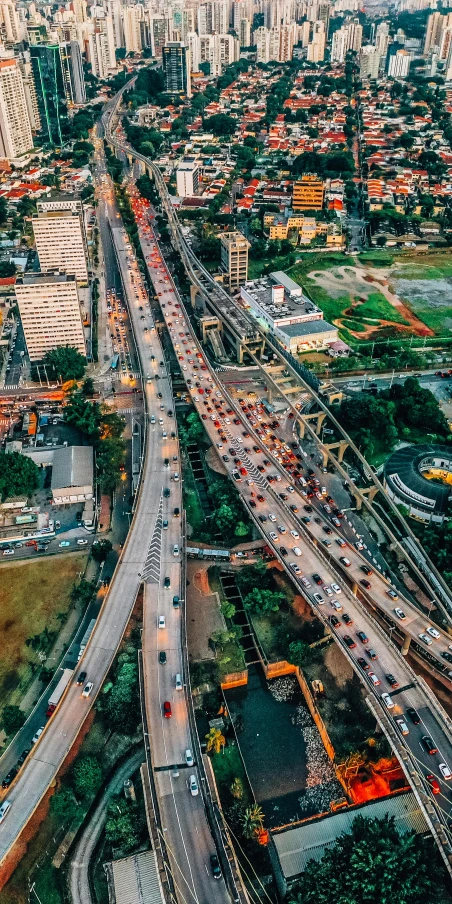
(15, 128)
(50, 312)
(61, 241)
(175, 68)
(369, 62)
(51, 93)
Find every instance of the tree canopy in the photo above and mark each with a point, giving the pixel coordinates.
(65, 362)
(336, 163)
(104, 429)
(220, 124)
(7, 268)
(19, 476)
(373, 863)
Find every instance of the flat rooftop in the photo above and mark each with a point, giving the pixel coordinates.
(34, 279)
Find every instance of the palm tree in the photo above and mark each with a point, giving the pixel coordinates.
(252, 821)
(215, 740)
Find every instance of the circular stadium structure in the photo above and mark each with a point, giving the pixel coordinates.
(420, 478)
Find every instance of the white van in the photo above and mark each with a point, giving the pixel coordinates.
(4, 809)
(178, 683)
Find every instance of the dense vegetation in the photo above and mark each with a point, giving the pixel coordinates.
(103, 429)
(19, 476)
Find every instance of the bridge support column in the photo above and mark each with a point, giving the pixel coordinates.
(341, 446)
(354, 587)
(301, 429)
(406, 645)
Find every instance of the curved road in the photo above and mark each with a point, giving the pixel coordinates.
(80, 862)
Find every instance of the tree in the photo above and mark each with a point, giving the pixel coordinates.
(373, 863)
(241, 530)
(263, 601)
(122, 702)
(12, 719)
(65, 363)
(122, 828)
(237, 789)
(300, 653)
(253, 820)
(100, 550)
(7, 268)
(88, 387)
(63, 805)
(215, 740)
(87, 776)
(220, 124)
(228, 609)
(19, 476)
(3, 211)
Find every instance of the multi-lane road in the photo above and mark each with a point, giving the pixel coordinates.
(243, 452)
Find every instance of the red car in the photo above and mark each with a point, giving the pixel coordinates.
(167, 712)
(434, 784)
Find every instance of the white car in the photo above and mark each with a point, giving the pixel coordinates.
(318, 598)
(37, 735)
(295, 534)
(193, 785)
(290, 489)
(426, 639)
(336, 588)
(273, 536)
(87, 689)
(388, 701)
(403, 727)
(305, 582)
(400, 613)
(272, 517)
(294, 567)
(189, 757)
(433, 632)
(445, 771)
(175, 550)
(328, 591)
(162, 621)
(336, 605)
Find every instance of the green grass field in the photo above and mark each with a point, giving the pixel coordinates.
(227, 766)
(33, 596)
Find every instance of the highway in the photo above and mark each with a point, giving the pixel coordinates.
(226, 425)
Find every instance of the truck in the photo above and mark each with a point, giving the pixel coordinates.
(58, 692)
(86, 638)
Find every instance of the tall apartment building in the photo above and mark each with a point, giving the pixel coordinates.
(51, 94)
(73, 75)
(399, 64)
(15, 128)
(176, 68)
(436, 22)
(308, 193)
(219, 51)
(234, 258)
(187, 179)
(159, 35)
(50, 312)
(11, 28)
(369, 62)
(244, 32)
(349, 37)
(132, 28)
(316, 47)
(61, 242)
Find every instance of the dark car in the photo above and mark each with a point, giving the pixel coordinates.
(317, 579)
(293, 508)
(392, 680)
(327, 530)
(413, 715)
(362, 637)
(23, 756)
(162, 657)
(263, 518)
(166, 583)
(346, 618)
(307, 508)
(366, 570)
(9, 778)
(215, 866)
(252, 503)
(167, 711)
(283, 550)
(81, 678)
(166, 492)
(366, 584)
(261, 498)
(364, 665)
(334, 621)
(349, 641)
(429, 745)
(176, 512)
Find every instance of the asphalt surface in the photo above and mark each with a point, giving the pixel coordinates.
(308, 539)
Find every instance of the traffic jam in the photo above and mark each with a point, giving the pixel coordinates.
(283, 510)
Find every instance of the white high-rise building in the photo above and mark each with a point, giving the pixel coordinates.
(349, 37)
(205, 23)
(219, 51)
(399, 64)
(287, 39)
(316, 48)
(187, 179)
(132, 28)
(369, 62)
(194, 49)
(261, 38)
(114, 11)
(220, 16)
(60, 242)
(50, 312)
(305, 33)
(244, 33)
(15, 128)
(436, 23)
(9, 19)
